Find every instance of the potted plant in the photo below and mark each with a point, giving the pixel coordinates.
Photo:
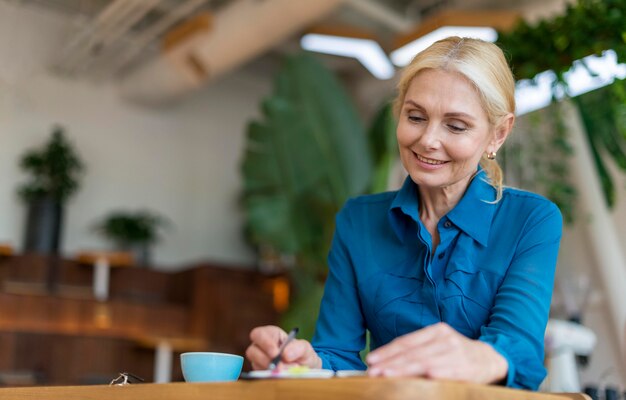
(133, 231)
(54, 171)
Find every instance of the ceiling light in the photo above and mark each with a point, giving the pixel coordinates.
(474, 24)
(531, 95)
(405, 54)
(367, 51)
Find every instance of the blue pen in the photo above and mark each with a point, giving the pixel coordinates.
(274, 363)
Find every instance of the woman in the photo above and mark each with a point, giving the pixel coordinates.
(452, 274)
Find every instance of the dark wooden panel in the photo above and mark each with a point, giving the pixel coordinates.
(70, 338)
(64, 359)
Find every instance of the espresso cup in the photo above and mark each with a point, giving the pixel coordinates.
(210, 367)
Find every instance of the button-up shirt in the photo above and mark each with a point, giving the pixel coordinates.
(490, 278)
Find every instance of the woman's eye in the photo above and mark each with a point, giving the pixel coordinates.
(416, 118)
(457, 128)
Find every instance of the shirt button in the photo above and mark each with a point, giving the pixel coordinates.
(447, 224)
(440, 256)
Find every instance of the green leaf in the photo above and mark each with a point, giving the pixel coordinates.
(302, 161)
(54, 169)
(383, 146)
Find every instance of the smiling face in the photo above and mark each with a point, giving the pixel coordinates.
(443, 130)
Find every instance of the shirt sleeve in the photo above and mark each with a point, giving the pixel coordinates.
(340, 330)
(518, 319)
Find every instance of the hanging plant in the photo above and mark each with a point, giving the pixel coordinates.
(588, 27)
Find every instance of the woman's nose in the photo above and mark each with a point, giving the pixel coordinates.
(429, 138)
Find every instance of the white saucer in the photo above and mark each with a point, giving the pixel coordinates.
(311, 373)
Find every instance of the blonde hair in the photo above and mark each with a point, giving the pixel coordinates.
(484, 66)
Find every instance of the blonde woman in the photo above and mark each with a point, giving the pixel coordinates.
(452, 274)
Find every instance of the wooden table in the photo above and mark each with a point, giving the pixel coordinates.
(287, 389)
(6, 250)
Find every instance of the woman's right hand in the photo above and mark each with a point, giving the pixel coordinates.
(266, 341)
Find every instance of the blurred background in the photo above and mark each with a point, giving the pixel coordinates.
(170, 169)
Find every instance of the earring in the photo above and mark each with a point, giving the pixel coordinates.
(491, 155)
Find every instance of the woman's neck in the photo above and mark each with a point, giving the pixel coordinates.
(437, 202)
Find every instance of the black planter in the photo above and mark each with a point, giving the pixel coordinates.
(44, 223)
(142, 252)
(143, 255)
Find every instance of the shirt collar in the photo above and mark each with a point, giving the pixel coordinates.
(404, 204)
(473, 214)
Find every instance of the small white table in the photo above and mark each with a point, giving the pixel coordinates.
(102, 262)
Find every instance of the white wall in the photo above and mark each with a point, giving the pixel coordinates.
(182, 161)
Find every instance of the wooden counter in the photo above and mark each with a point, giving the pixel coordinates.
(287, 389)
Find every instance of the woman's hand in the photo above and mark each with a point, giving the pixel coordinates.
(438, 351)
(266, 341)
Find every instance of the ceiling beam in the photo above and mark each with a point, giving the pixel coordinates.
(95, 39)
(384, 15)
(241, 31)
(139, 42)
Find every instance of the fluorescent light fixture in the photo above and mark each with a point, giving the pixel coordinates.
(403, 56)
(605, 68)
(531, 97)
(368, 52)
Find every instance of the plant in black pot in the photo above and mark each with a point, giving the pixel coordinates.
(54, 171)
(133, 231)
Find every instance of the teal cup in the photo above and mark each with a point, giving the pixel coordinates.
(210, 367)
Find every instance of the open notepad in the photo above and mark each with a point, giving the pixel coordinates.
(300, 373)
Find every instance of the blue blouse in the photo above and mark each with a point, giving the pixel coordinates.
(490, 278)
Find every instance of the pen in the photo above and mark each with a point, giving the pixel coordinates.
(274, 363)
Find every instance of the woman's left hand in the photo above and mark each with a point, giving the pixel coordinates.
(438, 351)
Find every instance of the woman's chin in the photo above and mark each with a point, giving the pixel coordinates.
(429, 179)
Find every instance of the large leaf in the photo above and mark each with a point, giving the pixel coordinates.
(383, 146)
(586, 27)
(328, 112)
(302, 161)
(602, 111)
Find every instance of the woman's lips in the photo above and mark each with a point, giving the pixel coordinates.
(429, 160)
(429, 163)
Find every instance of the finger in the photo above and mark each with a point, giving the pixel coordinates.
(440, 369)
(458, 365)
(256, 366)
(298, 351)
(417, 360)
(447, 370)
(257, 356)
(409, 370)
(414, 361)
(401, 344)
(409, 363)
(268, 338)
(282, 366)
(443, 360)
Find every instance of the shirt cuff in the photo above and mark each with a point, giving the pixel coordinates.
(510, 375)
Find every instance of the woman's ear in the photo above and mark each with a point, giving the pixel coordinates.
(501, 132)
